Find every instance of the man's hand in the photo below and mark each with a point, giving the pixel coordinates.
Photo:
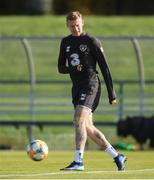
(113, 101)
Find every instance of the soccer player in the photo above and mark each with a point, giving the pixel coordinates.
(78, 56)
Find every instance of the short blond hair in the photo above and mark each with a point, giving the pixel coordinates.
(73, 15)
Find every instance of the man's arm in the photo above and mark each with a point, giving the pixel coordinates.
(101, 59)
(62, 68)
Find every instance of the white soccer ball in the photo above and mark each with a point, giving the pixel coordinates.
(37, 150)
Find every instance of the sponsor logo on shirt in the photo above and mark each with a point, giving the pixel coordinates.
(68, 48)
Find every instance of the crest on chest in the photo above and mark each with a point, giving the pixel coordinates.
(83, 47)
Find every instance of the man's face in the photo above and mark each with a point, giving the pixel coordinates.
(76, 26)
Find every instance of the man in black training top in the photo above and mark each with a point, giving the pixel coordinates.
(79, 54)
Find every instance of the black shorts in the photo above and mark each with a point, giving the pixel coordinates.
(87, 95)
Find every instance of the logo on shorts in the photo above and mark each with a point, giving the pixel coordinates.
(83, 96)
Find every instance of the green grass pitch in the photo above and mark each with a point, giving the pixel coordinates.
(98, 165)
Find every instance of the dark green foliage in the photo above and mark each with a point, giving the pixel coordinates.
(105, 7)
(31, 7)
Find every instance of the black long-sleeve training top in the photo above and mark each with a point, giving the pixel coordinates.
(79, 55)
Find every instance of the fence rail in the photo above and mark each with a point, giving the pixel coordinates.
(53, 104)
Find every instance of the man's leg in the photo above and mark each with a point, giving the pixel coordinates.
(95, 134)
(80, 117)
(98, 137)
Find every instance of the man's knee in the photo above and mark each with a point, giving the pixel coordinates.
(81, 114)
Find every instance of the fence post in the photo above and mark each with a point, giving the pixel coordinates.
(140, 63)
(121, 96)
(32, 80)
